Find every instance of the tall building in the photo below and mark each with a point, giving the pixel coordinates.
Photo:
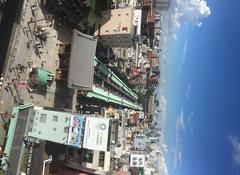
(100, 136)
(33, 129)
(118, 30)
(162, 4)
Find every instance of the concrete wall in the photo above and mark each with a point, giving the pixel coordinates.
(115, 27)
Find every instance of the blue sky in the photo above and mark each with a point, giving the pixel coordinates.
(202, 128)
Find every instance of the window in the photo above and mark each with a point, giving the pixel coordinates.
(55, 118)
(114, 31)
(43, 118)
(87, 155)
(124, 53)
(107, 31)
(66, 119)
(101, 158)
(66, 130)
(119, 14)
(54, 129)
(124, 29)
(126, 14)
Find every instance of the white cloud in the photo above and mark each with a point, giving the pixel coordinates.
(190, 122)
(187, 11)
(184, 52)
(180, 126)
(177, 158)
(190, 117)
(189, 88)
(235, 142)
(163, 166)
(180, 121)
(191, 130)
(177, 153)
(163, 109)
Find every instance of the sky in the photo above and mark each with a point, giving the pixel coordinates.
(201, 91)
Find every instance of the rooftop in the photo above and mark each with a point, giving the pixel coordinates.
(49, 125)
(82, 55)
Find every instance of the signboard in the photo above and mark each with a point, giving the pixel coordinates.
(140, 141)
(75, 131)
(96, 133)
(137, 159)
(141, 114)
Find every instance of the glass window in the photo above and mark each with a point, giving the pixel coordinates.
(55, 118)
(124, 29)
(66, 130)
(101, 158)
(43, 118)
(87, 155)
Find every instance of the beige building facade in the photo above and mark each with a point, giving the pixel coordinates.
(115, 28)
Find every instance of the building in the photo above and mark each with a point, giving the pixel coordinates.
(93, 149)
(162, 4)
(95, 83)
(59, 127)
(40, 76)
(16, 131)
(96, 156)
(150, 105)
(30, 129)
(137, 159)
(140, 141)
(137, 20)
(79, 13)
(118, 30)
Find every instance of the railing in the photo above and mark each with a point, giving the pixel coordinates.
(113, 77)
(102, 94)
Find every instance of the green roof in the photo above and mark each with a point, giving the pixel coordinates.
(44, 76)
(106, 71)
(99, 93)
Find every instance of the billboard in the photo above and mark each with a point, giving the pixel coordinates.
(96, 133)
(137, 159)
(75, 131)
(141, 114)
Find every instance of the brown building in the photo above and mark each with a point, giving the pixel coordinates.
(118, 30)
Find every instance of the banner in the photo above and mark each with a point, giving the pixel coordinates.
(75, 131)
(96, 133)
(137, 159)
